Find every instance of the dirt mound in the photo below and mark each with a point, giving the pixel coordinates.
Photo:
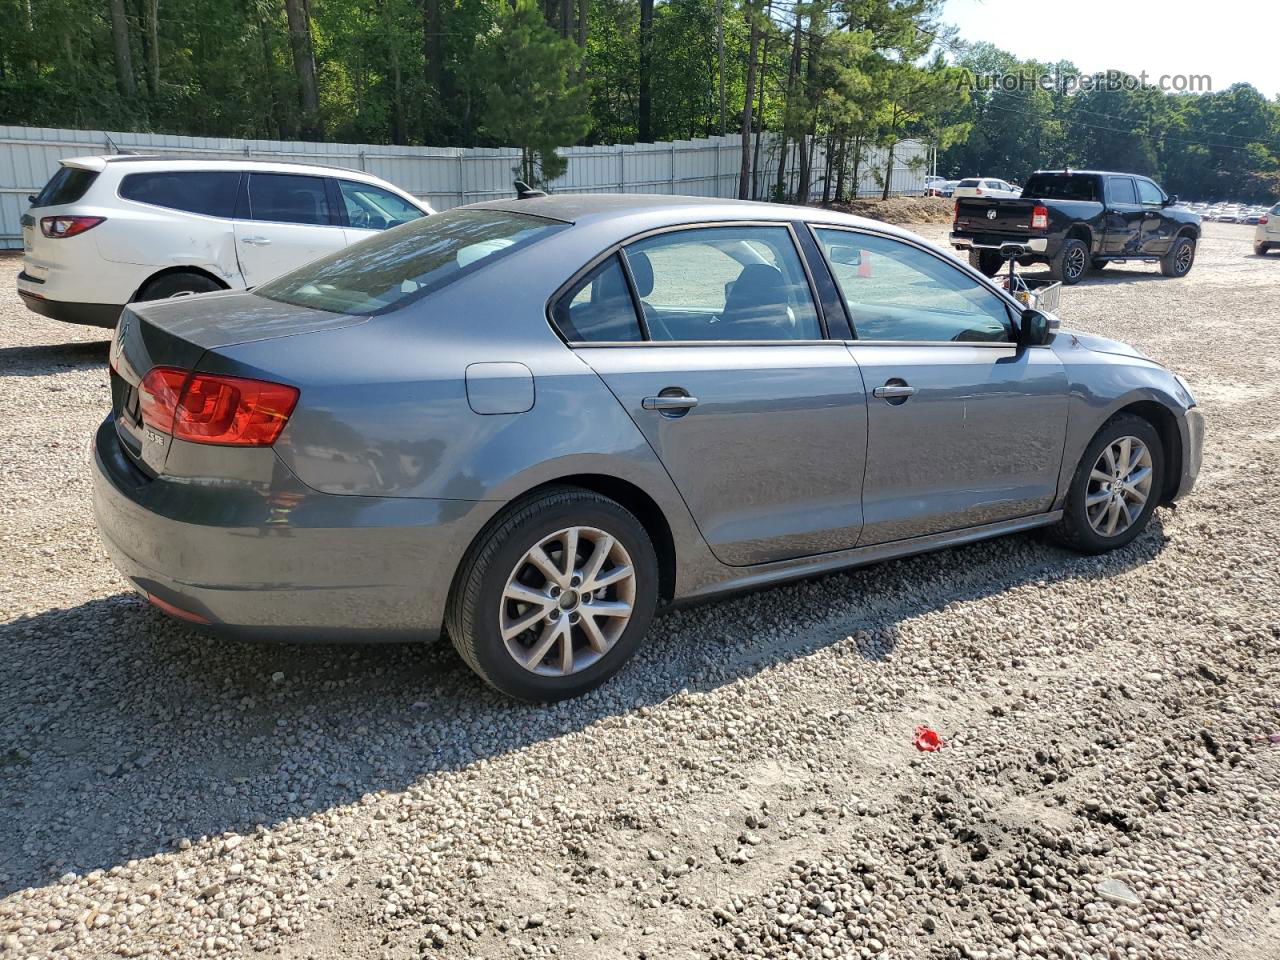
(900, 209)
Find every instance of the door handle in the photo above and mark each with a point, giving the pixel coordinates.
(256, 241)
(894, 391)
(669, 402)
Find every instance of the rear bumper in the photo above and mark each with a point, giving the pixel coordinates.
(1038, 245)
(88, 314)
(279, 560)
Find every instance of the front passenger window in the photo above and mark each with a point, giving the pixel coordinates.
(895, 291)
(1150, 193)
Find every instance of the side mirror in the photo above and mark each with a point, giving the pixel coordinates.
(1036, 328)
(849, 256)
(1171, 200)
(31, 198)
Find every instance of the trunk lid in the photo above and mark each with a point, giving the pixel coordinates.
(178, 333)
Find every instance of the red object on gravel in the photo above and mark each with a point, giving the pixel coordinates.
(927, 740)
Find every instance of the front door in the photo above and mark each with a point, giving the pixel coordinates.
(1157, 227)
(284, 221)
(964, 428)
(760, 422)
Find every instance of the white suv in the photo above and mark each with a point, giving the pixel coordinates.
(986, 187)
(106, 231)
(1266, 235)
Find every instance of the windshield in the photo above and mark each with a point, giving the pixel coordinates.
(398, 266)
(1060, 186)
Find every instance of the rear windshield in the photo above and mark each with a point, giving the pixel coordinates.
(967, 183)
(391, 269)
(66, 186)
(1061, 186)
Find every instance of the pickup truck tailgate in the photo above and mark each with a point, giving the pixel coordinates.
(1012, 216)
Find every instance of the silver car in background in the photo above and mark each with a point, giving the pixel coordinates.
(529, 423)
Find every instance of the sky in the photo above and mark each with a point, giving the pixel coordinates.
(1232, 41)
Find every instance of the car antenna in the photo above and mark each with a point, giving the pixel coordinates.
(526, 192)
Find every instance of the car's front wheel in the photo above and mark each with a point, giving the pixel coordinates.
(555, 596)
(1178, 260)
(1116, 487)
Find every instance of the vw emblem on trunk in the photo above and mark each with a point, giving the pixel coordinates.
(991, 214)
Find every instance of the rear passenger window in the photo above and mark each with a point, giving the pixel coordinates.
(723, 283)
(599, 309)
(1120, 190)
(286, 198)
(211, 193)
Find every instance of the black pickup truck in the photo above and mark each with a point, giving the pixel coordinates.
(1077, 219)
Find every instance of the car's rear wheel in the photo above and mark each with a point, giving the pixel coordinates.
(555, 596)
(988, 262)
(1261, 249)
(178, 285)
(1179, 258)
(1071, 262)
(1116, 487)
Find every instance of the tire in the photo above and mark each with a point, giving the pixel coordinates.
(1071, 262)
(1261, 249)
(176, 285)
(1075, 530)
(1180, 257)
(987, 262)
(1099, 264)
(480, 600)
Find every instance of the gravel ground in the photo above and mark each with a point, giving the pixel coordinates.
(1110, 787)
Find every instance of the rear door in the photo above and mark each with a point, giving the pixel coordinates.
(283, 221)
(964, 428)
(1125, 216)
(759, 420)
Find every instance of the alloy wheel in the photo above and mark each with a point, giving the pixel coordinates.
(1182, 261)
(1119, 486)
(1075, 262)
(568, 601)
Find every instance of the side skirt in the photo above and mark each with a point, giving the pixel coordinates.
(767, 575)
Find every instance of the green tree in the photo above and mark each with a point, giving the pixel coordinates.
(528, 74)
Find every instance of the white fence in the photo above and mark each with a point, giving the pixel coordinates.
(450, 176)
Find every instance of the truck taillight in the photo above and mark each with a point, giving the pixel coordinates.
(210, 408)
(58, 228)
(955, 212)
(1040, 218)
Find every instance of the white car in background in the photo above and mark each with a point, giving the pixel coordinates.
(985, 187)
(107, 231)
(1266, 235)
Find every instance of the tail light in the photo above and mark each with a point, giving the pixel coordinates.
(977, 191)
(955, 213)
(58, 228)
(211, 408)
(1263, 219)
(1040, 218)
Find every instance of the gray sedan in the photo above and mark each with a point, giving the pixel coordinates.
(529, 423)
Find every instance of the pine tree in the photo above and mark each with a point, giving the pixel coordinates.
(528, 74)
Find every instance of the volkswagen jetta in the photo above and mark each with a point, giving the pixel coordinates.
(528, 423)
